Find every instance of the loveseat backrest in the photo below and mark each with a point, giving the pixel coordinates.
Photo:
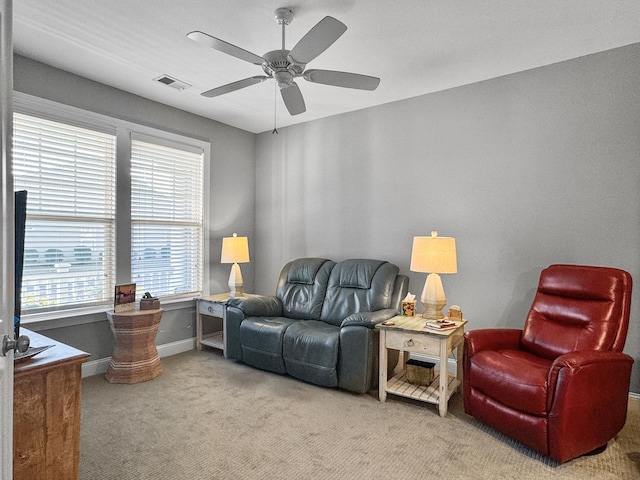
(578, 307)
(358, 285)
(302, 287)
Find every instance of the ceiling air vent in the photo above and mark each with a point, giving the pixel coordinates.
(172, 82)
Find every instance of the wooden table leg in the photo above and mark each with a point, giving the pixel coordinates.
(198, 326)
(444, 380)
(382, 366)
(459, 355)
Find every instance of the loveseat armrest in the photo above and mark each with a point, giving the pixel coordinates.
(368, 319)
(237, 310)
(491, 339)
(257, 305)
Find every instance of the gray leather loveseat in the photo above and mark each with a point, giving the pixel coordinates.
(319, 326)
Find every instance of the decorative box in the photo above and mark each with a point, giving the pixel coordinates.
(419, 373)
(408, 308)
(152, 303)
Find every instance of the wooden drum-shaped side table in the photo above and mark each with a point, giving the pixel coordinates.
(135, 357)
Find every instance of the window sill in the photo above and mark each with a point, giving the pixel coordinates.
(79, 316)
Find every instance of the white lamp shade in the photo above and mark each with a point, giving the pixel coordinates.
(235, 249)
(434, 254)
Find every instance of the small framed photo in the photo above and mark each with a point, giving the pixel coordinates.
(124, 298)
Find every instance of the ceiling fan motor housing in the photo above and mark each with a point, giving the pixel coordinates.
(277, 64)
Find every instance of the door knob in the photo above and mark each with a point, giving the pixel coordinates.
(21, 345)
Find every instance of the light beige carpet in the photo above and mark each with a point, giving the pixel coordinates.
(210, 418)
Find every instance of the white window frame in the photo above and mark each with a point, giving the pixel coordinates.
(31, 105)
(158, 282)
(62, 221)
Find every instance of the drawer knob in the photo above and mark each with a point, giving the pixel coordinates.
(409, 343)
(210, 309)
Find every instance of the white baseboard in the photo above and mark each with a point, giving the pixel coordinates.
(99, 367)
(451, 363)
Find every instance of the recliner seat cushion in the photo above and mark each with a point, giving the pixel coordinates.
(262, 339)
(310, 352)
(514, 378)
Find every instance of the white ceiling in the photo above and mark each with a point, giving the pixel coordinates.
(414, 46)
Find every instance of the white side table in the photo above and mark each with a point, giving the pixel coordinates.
(212, 308)
(408, 335)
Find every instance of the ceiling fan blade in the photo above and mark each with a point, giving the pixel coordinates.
(230, 87)
(225, 47)
(342, 79)
(293, 100)
(317, 40)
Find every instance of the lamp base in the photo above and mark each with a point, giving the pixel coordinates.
(236, 292)
(235, 282)
(433, 312)
(433, 298)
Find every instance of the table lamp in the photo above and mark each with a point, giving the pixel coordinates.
(433, 255)
(235, 250)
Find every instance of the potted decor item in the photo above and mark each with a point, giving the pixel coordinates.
(147, 302)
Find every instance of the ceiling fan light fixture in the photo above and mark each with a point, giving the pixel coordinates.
(283, 79)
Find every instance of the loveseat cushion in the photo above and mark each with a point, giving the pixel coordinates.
(262, 339)
(358, 285)
(310, 352)
(302, 287)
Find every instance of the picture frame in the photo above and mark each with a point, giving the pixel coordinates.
(124, 297)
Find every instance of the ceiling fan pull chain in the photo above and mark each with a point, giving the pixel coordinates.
(275, 106)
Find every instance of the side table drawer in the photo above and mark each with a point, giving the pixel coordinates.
(214, 309)
(417, 343)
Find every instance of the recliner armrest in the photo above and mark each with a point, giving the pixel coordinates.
(258, 305)
(588, 362)
(491, 339)
(368, 319)
(587, 399)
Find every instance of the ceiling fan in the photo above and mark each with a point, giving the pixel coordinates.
(284, 66)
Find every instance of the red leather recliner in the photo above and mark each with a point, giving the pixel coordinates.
(559, 386)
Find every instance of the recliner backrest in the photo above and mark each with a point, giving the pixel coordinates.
(358, 285)
(578, 307)
(302, 287)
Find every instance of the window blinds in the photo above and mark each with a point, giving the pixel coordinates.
(166, 218)
(69, 175)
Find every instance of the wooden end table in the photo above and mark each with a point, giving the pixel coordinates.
(408, 335)
(135, 356)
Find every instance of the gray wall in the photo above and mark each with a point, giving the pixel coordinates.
(231, 177)
(526, 170)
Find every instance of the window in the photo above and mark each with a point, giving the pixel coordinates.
(166, 218)
(69, 175)
(84, 235)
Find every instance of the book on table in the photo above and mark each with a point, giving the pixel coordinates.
(440, 325)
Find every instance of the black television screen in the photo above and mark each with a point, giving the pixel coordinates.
(20, 216)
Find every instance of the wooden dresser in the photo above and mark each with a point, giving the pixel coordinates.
(46, 412)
